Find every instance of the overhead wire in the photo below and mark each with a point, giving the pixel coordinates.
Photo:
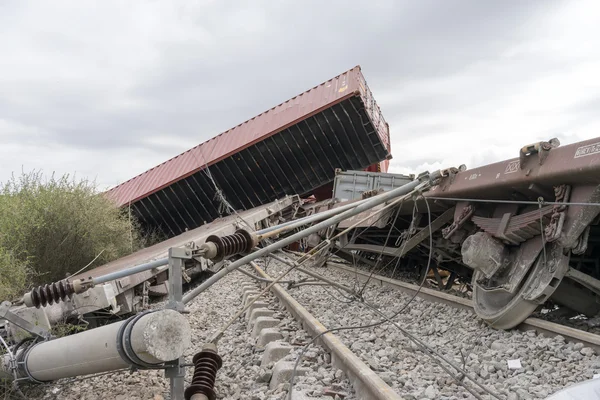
(298, 262)
(219, 192)
(523, 202)
(404, 242)
(215, 338)
(312, 253)
(542, 233)
(294, 371)
(90, 263)
(382, 250)
(261, 279)
(432, 353)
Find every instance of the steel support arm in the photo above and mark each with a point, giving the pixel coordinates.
(369, 203)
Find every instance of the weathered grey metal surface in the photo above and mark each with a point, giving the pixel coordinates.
(40, 328)
(392, 251)
(350, 185)
(155, 338)
(584, 279)
(370, 203)
(224, 226)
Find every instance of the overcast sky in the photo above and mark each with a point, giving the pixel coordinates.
(110, 91)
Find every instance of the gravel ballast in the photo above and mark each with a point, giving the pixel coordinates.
(547, 364)
(241, 376)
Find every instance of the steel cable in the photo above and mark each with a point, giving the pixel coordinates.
(432, 353)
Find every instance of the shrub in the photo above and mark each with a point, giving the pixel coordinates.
(51, 227)
(14, 275)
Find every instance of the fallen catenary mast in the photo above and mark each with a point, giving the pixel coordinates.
(147, 340)
(422, 183)
(48, 294)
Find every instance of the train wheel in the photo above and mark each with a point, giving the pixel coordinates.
(504, 310)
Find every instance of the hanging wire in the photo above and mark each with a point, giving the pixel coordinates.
(428, 350)
(381, 253)
(524, 202)
(90, 263)
(218, 192)
(541, 202)
(404, 242)
(322, 246)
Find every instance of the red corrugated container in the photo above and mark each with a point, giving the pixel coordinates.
(288, 119)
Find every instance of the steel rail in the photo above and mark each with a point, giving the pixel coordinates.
(539, 325)
(367, 384)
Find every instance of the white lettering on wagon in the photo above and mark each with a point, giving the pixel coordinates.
(512, 166)
(587, 150)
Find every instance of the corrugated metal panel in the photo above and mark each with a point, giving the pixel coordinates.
(334, 125)
(256, 129)
(350, 185)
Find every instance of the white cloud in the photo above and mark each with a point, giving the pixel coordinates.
(114, 89)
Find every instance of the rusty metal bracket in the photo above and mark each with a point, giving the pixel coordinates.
(582, 242)
(465, 214)
(541, 148)
(370, 193)
(548, 272)
(554, 229)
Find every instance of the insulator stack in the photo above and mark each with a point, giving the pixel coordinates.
(52, 293)
(206, 364)
(240, 242)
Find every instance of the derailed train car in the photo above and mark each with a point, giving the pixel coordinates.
(523, 232)
(292, 149)
(248, 176)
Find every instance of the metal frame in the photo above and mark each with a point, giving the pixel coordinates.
(13, 318)
(177, 258)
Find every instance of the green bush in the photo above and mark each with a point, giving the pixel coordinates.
(52, 227)
(14, 275)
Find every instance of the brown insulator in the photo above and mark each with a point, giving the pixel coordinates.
(52, 293)
(206, 364)
(240, 242)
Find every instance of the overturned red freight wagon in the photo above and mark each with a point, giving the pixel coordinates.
(293, 148)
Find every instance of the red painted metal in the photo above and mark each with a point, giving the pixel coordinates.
(348, 84)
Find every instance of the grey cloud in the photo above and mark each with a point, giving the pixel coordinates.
(220, 63)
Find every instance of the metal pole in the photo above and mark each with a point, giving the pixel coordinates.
(151, 338)
(369, 203)
(267, 232)
(130, 271)
(311, 218)
(176, 373)
(176, 257)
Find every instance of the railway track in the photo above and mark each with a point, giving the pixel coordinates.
(261, 349)
(539, 325)
(452, 330)
(366, 383)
